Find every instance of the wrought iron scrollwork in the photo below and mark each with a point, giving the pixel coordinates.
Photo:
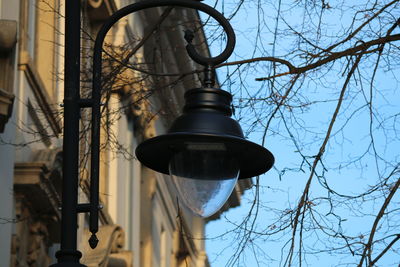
(96, 91)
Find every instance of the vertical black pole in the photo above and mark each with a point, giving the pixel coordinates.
(68, 254)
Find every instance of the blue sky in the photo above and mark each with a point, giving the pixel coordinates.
(350, 139)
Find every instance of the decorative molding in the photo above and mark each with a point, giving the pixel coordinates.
(31, 179)
(52, 158)
(43, 99)
(8, 35)
(37, 198)
(29, 245)
(38, 185)
(109, 252)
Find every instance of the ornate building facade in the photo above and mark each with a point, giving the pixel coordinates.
(142, 224)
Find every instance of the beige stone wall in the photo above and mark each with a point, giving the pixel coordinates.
(46, 36)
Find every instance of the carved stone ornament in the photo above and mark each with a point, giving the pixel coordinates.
(109, 252)
(37, 188)
(95, 3)
(8, 35)
(38, 183)
(29, 246)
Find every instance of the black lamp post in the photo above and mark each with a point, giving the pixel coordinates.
(204, 151)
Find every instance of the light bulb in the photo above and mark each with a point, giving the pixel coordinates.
(204, 175)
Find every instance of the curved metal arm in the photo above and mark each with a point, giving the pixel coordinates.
(96, 91)
(205, 61)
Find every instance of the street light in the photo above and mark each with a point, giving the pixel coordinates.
(204, 151)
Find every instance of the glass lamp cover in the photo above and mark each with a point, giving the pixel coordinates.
(205, 176)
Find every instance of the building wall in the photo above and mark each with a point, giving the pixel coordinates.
(141, 224)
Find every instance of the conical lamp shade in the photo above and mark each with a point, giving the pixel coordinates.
(205, 151)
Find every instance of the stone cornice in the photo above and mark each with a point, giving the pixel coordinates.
(37, 184)
(31, 180)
